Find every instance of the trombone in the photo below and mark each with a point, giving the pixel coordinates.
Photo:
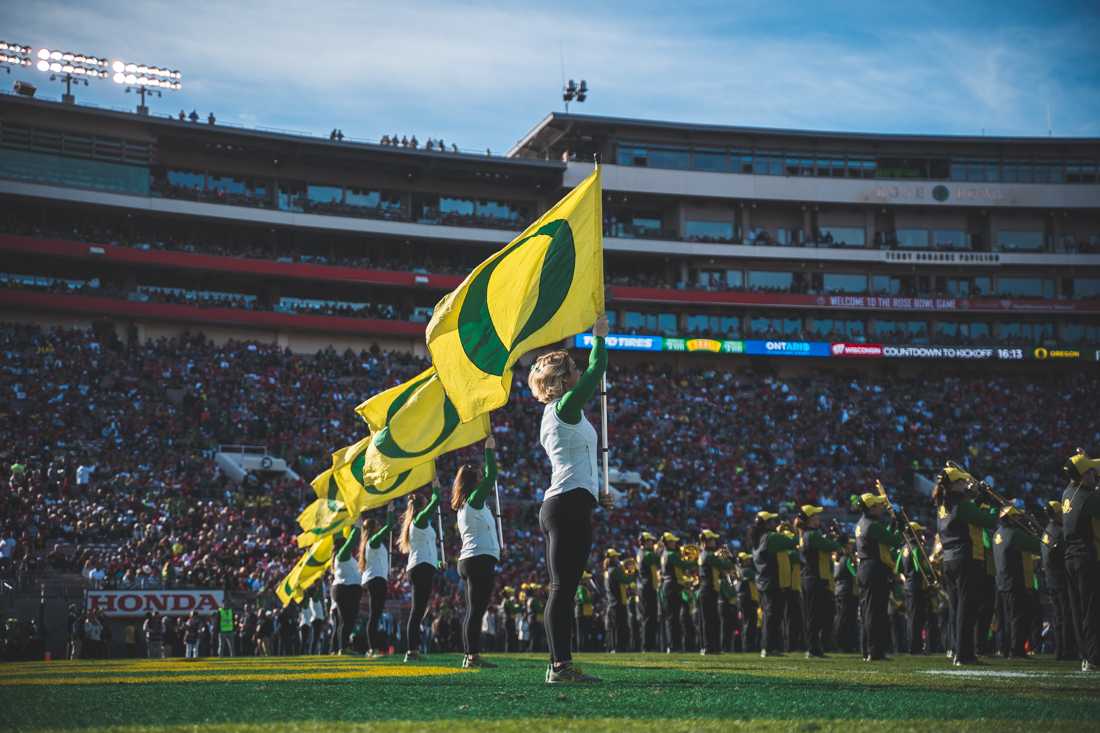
(911, 540)
(1023, 520)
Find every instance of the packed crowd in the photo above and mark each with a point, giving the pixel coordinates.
(107, 448)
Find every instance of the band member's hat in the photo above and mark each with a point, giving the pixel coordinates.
(709, 534)
(1055, 506)
(870, 500)
(954, 472)
(612, 552)
(810, 510)
(1082, 463)
(669, 537)
(647, 536)
(743, 556)
(765, 515)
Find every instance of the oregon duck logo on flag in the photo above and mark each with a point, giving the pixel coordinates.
(309, 568)
(360, 494)
(546, 285)
(411, 424)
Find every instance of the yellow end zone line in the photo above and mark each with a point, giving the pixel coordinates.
(361, 673)
(183, 669)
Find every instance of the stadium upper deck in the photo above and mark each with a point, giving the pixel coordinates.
(795, 240)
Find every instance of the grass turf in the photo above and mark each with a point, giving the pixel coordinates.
(640, 692)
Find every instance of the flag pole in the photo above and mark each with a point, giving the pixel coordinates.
(442, 544)
(496, 489)
(603, 386)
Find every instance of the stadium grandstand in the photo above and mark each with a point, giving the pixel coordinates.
(175, 290)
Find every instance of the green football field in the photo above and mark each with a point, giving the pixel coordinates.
(653, 692)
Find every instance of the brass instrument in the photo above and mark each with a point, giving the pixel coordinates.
(1023, 520)
(690, 553)
(630, 566)
(911, 539)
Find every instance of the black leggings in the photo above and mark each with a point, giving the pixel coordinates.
(421, 577)
(566, 522)
(480, 574)
(347, 612)
(376, 592)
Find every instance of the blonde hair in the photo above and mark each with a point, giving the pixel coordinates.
(403, 543)
(548, 374)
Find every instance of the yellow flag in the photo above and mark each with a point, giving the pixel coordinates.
(360, 495)
(326, 515)
(546, 285)
(412, 423)
(309, 568)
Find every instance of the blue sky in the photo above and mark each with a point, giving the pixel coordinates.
(482, 74)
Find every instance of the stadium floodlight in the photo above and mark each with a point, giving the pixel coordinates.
(14, 54)
(573, 92)
(68, 66)
(145, 79)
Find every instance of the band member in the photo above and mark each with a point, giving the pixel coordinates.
(615, 582)
(374, 564)
(649, 578)
(768, 544)
(418, 541)
(727, 612)
(844, 611)
(1081, 533)
(1057, 584)
(915, 573)
(1015, 573)
(533, 611)
(511, 610)
(571, 443)
(960, 523)
(748, 603)
(674, 579)
(817, 577)
(346, 591)
(874, 541)
(480, 548)
(584, 611)
(714, 561)
(790, 576)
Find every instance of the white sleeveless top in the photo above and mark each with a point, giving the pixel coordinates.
(346, 572)
(572, 451)
(305, 618)
(422, 546)
(478, 529)
(318, 612)
(377, 563)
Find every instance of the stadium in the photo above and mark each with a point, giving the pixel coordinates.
(195, 315)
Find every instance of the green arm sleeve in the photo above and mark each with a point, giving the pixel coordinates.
(818, 541)
(481, 491)
(973, 514)
(349, 545)
(572, 402)
(778, 543)
(879, 532)
(377, 538)
(897, 565)
(425, 515)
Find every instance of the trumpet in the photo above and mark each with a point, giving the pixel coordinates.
(630, 566)
(724, 553)
(690, 553)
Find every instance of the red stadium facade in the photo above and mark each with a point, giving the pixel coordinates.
(857, 247)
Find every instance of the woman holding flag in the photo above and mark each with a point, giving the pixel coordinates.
(480, 552)
(571, 443)
(346, 592)
(418, 541)
(374, 563)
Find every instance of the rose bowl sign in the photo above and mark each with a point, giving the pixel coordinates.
(137, 603)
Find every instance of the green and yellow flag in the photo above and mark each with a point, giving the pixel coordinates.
(411, 424)
(360, 495)
(326, 515)
(546, 285)
(309, 568)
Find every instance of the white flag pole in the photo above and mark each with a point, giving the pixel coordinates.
(496, 489)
